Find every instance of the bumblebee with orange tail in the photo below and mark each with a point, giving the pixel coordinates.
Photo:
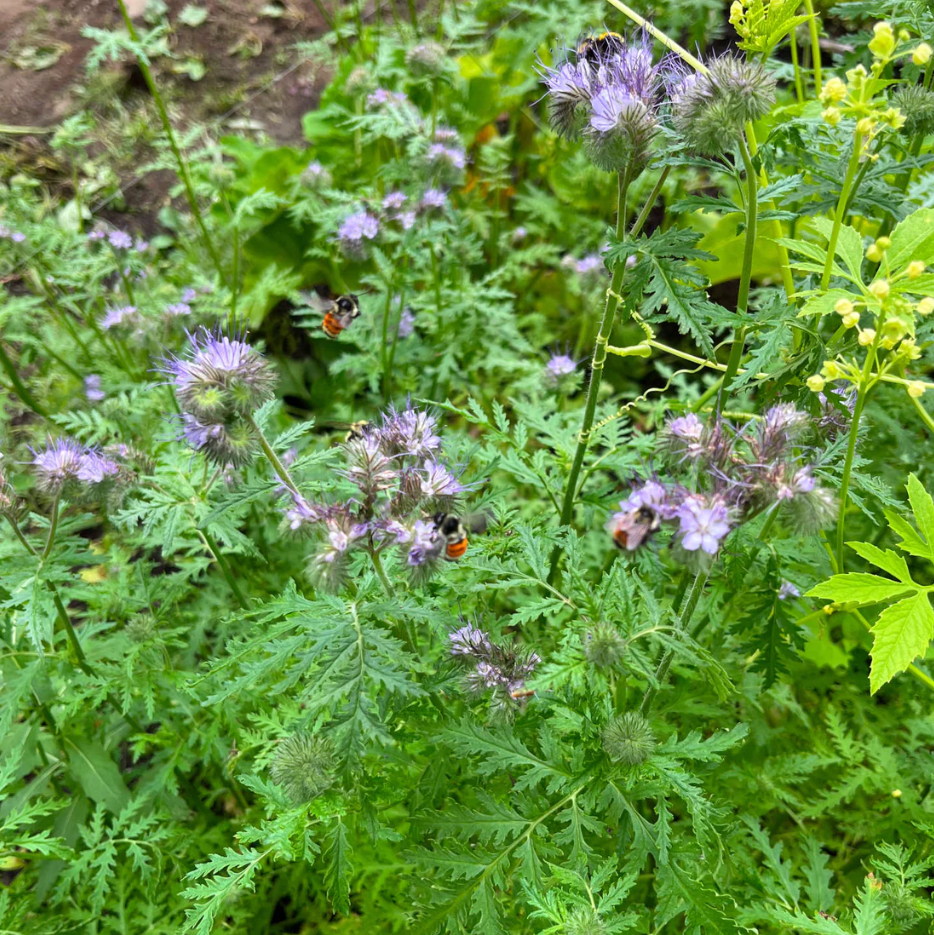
(452, 532)
(339, 312)
(598, 48)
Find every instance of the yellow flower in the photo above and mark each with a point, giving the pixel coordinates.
(830, 370)
(873, 253)
(915, 269)
(866, 337)
(880, 289)
(851, 320)
(922, 54)
(916, 389)
(815, 383)
(883, 40)
(843, 307)
(831, 115)
(926, 306)
(833, 92)
(866, 125)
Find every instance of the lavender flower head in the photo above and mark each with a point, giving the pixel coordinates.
(381, 96)
(560, 365)
(57, 464)
(569, 88)
(92, 388)
(468, 640)
(406, 323)
(221, 376)
(394, 200)
(177, 310)
(118, 316)
(588, 265)
(446, 157)
(560, 372)
(446, 135)
(96, 468)
(355, 229)
(120, 240)
(434, 199)
(439, 487)
(703, 525)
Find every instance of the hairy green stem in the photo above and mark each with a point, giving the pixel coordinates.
(745, 279)
(815, 46)
(662, 671)
(183, 172)
(222, 563)
(844, 199)
(596, 370)
(381, 574)
(273, 458)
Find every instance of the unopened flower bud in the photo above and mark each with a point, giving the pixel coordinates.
(880, 289)
(916, 389)
(915, 269)
(866, 337)
(882, 44)
(833, 92)
(843, 307)
(604, 646)
(866, 126)
(926, 306)
(922, 54)
(629, 739)
(815, 383)
(428, 58)
(831, 115)
(851, 320)
(303, 767)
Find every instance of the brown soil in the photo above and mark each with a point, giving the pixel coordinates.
(241, 49)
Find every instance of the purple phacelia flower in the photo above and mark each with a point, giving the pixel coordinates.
(303, 513)
(438, 483)
(560, 365)
(92, 388)
(355, 229)
(426, 545)
(394, 200)
(434, 199)
(592, 263)
(406, 219)
(120, 240)
(801, 482)
(222, 376)
(57, 464)
(411, 432)
(518, 234)
(381, 96)
(141, 245)
(569, 88)
(654, 495)
(787, 591)
(96, 468)
(189, 294)
(7, 233)
(702, 525)
(446, 156)
(115, 317)
(406, 323)
(177, 310)
(468, 640)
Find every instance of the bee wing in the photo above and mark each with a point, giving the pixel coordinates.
(477, 522)
(315, 301)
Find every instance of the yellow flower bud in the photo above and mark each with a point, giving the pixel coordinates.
(866, 125)
(894, 118)
(883, 40)
(880, 289)
(828, 609)
(915, 269)
(903, 35)
(916, 389)
(873, 253)
(926, 306)
(866, 337)
(831, 115)
(896, 793)
(830, 370)
(851, 320)
(910, 349)
(815, 383)
(856, 75)
(843, 307)
(922, 54)
(833, 92)
(883, 243)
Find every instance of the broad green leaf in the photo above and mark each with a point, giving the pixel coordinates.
(923, 508)
(913, 239)
(859, 588)
(887, 560)
(96, 773)
(911, 542)
(849, 245)
(823, 304)
(901, 634)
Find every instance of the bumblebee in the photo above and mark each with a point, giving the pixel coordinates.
(630, 531)
(339, 312)
(598, 48)
(357, 431)
(452, 532)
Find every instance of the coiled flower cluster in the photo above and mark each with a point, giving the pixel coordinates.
(730, 476)
(503, 670)
(219, 384)
(402, 484)
(607, 95)
(67, 468)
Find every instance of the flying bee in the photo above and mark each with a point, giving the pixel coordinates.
(452, 531)
(357, 431)
(338, 312)
(633, 528)
(597, 49)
